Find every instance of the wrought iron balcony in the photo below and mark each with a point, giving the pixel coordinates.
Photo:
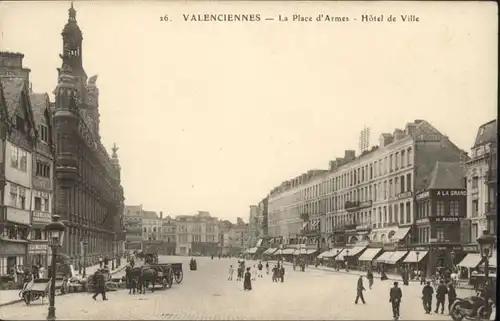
(352, 206)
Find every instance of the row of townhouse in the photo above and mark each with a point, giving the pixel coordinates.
(26, 171)
(410, 190)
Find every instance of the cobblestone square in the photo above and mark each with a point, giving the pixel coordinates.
(207, 294)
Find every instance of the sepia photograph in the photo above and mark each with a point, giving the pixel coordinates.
(248, 160)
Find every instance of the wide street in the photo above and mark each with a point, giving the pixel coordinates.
(206, 294)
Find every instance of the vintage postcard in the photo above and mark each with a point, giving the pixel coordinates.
(248, 160)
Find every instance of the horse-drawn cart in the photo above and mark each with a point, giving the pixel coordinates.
(164, 274)
(34, 290)
(177, 269)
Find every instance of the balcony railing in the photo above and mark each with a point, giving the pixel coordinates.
(351, 206)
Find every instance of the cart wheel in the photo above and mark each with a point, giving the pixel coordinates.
(179, 276)
(170, 278)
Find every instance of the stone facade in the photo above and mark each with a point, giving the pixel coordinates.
(89, 195)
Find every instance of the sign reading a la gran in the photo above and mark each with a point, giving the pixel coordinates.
(448, 192)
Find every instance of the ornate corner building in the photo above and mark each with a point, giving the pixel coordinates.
(89, 195)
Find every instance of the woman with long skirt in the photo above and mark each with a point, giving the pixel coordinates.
(247, 282)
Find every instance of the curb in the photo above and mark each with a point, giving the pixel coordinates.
(21, 300)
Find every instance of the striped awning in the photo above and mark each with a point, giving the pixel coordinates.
(396, 257)
(278, 252)
(384, 257)
(369, 254)
(413, 258)
(311, 251)
(300, 252)
(288, 251)
(270, 251)
(252, 250)
(332, 253)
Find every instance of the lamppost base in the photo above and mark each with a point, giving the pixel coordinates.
(51, 316)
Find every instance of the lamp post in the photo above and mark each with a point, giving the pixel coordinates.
(486, 242)
(336, 260)
(418, 254)
(114, 253)
(85, 243)
(55, 231)
(452, 256)
(346, 262)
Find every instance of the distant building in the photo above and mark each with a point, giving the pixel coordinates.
(254, 231)
(132, 222)
(197, 234)
(168, 233)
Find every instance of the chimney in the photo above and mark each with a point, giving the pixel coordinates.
(333, 165)
(398, 134)
(349, 155)
(340, 161)
(161, 215)
(410, 128)
(385, 139)
(11, 66)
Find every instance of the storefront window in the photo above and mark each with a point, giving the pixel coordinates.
(439, 208)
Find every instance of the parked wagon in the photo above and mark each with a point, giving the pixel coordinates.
(34, 290)
(164, 274)
(178, 274)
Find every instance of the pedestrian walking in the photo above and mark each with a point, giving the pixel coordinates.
(231, 272)
(100, 286)
(41, 271)
(254, 272)
(441, 292)
(275, 274)
(240, 273)
(369, 276)
(395, 296)
(100, 262)
(427, 292)
(282, 273)
(359, 291)
(267, 267)
(452, 296)
(247, 282)
(259, 267)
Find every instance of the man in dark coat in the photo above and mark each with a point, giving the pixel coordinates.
(427, 292)
(395, 296)
(452, 295)
(369, 276)
(247, 281)
(100, 286)
(441, 292)
(130, 279)
(359, 291)
(282, 273)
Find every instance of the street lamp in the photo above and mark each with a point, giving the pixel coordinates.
(486, 242)
(417, 253)
(336, 260)
(346, 262)
(55, 231)
(85, 243)
(114, 253)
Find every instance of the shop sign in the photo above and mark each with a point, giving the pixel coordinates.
(447, 192)
(421, 248)
(424, 220)
(12, 248)
(41, 217)
(444, 219)
(37, 248)
(425, 194)
(471, 248)
(448, 248)
(404, 195)
(389, 247)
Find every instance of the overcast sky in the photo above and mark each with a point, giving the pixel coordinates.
(211, 116)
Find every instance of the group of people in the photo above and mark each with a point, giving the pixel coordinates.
(24, 274)
(442, 290)
(249, 274)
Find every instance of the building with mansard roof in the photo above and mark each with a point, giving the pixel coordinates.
(89, 192)
(361, 199)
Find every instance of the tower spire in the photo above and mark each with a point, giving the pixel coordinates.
(72, 13)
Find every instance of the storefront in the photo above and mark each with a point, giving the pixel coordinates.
(12, 253)
(38, 254)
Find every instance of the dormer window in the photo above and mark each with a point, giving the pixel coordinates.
(44, 133)
(20, 124)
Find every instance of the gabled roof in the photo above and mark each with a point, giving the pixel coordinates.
(486, 133)
(40, 103)
(447, 175)
(12, 91)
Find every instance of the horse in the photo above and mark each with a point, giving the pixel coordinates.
(144, 276)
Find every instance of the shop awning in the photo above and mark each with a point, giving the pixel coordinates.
(312, 251)
(322, 254)
(396, 257)
(269, 251)
(340, 257)
(412, 257)
(471, 260)
(384, 257)
(369, 254)
(401, 233)
(300, 252)
(278, 252)
(288, 251)
(252, 250)
(331, 253)
(355, 250)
